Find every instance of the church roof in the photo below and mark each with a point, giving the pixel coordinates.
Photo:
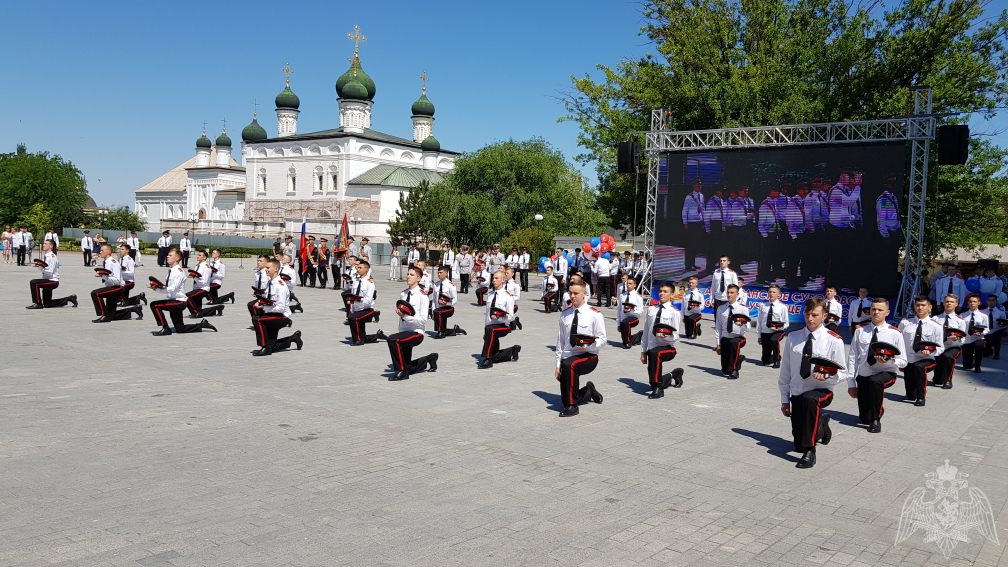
(367, 134)
(396, 176)
(174, 180)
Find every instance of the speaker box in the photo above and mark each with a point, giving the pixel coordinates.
(953, 144)
(626, 157)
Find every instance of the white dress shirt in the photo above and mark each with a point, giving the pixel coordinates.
(728, 277)
(590, 322)
(825, 343)
(666, 314)
(857, 358)
(930, 331)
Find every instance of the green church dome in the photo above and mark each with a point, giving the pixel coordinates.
(430, 144)
(354, 90)
(362, 78)
(423, 106)
(223, 141)
(287, 99)
(254, 132)
(203, 142)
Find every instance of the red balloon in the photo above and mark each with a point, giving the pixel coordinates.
(586, 247)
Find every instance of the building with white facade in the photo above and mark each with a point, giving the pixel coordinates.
(320, 176)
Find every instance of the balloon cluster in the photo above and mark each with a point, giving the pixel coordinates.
(599, 247)
(985, 288)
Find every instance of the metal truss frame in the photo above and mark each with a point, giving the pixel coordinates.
(918, 129)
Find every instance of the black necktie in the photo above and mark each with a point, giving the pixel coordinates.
(357, 293)
(168, 277)
(861, 309)
(917, 336)
(657, 318)
(970, 328)
(722, 283)
(871, 353)
(728, 324)
(574, 328)
(769, 316)
(493, 302)
(950, 284)
(806, 357)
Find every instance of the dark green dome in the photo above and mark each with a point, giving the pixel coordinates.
(354, 90)
(203, 142)
(287, 99)
(223, 141)
(423, 106)
(254, 132)
(361, 77)
(430, 144)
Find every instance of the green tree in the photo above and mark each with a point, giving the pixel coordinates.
(724, 63)
(117, 218)
(28, 179)
(539, 242)
(37, 220)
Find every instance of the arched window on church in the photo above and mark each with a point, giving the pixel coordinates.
(333, 185)
(318, 180)
(262, 181)
(291, 181)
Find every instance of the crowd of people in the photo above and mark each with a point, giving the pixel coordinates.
(811, 358)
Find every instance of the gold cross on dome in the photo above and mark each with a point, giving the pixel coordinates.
(255, 108)
(287, 71)
(357, 38)
(424, 79)
(224, 121)
(204, 127)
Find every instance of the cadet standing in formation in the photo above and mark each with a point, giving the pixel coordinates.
(731, 323)
(874, 358)
(997, 320)
(923, 340)
(771, 320)
(954, 331)
(581, 334)
(977, 326)
(185, 247)
(465, 267)
(86, 244)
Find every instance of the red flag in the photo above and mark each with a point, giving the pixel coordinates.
(303, 250)
(343, 241)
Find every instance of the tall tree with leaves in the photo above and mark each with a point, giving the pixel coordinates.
(28, 179)
(726, 63)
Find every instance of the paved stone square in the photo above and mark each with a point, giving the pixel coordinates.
(120, 448)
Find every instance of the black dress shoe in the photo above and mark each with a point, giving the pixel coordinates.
(204, 324)
(807, 461)
(264, 351)
(34, 306)
(656, 393)
(626, 346)
(138, 309)
(487, 363)
(439, 335)
(432, 362)
(677, 375)
(919, 403)
(296, 337)
(73, 299)
(377, 316)
(595, 395)
(518, 324)
(514, 352)
(699, 332)
(220, 310)
(569, 411)
(142, 297)
(776, 364)
(356, 343)
(875, 427)
(733, 375)
(401, 375)
(741, 359)
(460, 331)
(164, 332)
(101, 320)
(289, 323)
(827, 433)
(947, 386)
(381, 335)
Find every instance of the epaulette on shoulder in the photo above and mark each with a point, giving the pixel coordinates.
(370, 280)
(507, 292)
(595, 309)
(834, 333)
(893, 327)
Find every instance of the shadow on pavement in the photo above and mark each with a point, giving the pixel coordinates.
(642, 388)
(776, 446)
(554, 400)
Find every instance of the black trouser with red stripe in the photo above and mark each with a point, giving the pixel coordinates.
(655, 357)
(871, 395)
(441, 315)
(730, 349)
(194, 301)
(345, 294)
(124, 297)
(215, 296)
(626, 331)
(771, 346)
(357, 320)
(992, 343)
(174, 307)
(491, 343)
(267, 327)
(945, 365)
(691, 324)
(481, 295)
(571, 370)
(972, 354)
(105, 300)
(549, 300)
(41, 292)
(915, 378)
(806, 413)
(401, 348)
(254, 309)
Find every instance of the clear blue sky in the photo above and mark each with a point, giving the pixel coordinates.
(121, 89)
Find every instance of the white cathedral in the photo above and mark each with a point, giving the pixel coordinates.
(321, 176)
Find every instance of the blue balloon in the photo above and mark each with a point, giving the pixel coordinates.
(606, 255)
(594, 242)
(543, 261)
(973, 284)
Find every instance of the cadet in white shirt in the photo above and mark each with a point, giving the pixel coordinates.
(550, 295)
(465, 267)
(482, 278)
(288, 275)
(86, 244)
(290, 251)
(185, 247)
(954, 330)
(806, 388)
(201, 289)
(859, 312)
(174, 288)
(949, 282)
(276, 315)
(731, 324)
(445, 297)
(871, 370)
(106, 297)
(977, 327)
(834, 311)
(581, 334)
(600, 268)
(743, 295)
(614, 266)
(514, 289)
(365, 250)
(917, 332)
(523, 267)
(560, 269)
(362, 307)
(723, 278)
(997, 319)
(42, 288)
(127, 268)
(499, 311)
(22, 239)
(661, 331)
(134, 244)
(164, 245)
(412, 323)
(629, 310)
(511, 261)
(218, 270)
(771, 320)
(260, 283)
(413, 256)
(692, 309)
(51, 235)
